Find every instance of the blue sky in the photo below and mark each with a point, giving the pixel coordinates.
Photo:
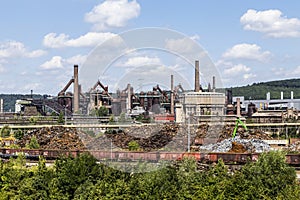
(247, 41)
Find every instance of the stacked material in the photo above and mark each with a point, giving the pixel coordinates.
(54, 138)
(252, 134)
(294, 148)
(252, 145)
(157, 139)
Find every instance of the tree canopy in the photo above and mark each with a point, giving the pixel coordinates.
(83, 178)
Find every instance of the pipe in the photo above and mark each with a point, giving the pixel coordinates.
(76, 90)
(197, 79)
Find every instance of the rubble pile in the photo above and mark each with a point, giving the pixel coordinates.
(294, 148)
(234, 145)
(54, 138)
(242, 133)
(159, 138)
(237, 148)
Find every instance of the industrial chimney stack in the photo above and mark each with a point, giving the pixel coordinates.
(172, 94)
(214, 84)
(76, 89)
(197, 79)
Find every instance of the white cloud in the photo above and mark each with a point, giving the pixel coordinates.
(249, 76)
(184, 45)
(236, 69)
(140, 61)
(57, 62)
(13, 49)
(78, 59)
(112, 13)
(54, 63)
(90, 39)
(247, 51)
(271, 23)
(31, 86)
(2, 69)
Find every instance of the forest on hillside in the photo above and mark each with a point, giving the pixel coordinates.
(83, 178)
(259, 90)
(9, 100)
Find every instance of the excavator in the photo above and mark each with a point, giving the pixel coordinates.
(237, 123)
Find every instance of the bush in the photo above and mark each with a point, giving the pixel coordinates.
(33, 144)
(133, 146)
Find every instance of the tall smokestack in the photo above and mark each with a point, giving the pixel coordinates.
(292, 95)
(281, 95)
(197, 79)
(214, 84)
(76, 89)
(172, 94)
(238, 107)
(129, 97)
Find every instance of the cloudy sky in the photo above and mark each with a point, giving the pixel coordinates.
(245, 41)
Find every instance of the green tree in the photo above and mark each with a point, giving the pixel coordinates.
(5, 131)
(133, 146)
(33, 144)
(61, 119)
(102, 111)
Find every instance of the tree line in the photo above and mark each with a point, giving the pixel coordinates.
(259, 90)
(83, 178)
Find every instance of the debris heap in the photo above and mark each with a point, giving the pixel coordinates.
(54, 138)
(237, 145)
(155, 141)
(294, 148)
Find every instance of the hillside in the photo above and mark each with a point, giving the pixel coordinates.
(259, 90)
(9, 100)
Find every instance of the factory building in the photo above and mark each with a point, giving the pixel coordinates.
(198, 103)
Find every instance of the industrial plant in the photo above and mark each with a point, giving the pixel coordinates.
(175, 104)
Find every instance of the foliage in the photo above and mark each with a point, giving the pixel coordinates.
(9, 100)
(122, 117)
(61, 119)
(18, 134)
(33, 120)
(102, 111)
(259, 90)
(5, 131)
(112, 120)
(133, 146)
(33, 144)
(82, 178)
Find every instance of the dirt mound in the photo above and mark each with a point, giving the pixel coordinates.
(155, 141)
(54, 138)
(237, 148)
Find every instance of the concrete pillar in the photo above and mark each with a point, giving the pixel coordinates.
(238, 107)
(76, 89)
(172, 94)
(197, 79)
